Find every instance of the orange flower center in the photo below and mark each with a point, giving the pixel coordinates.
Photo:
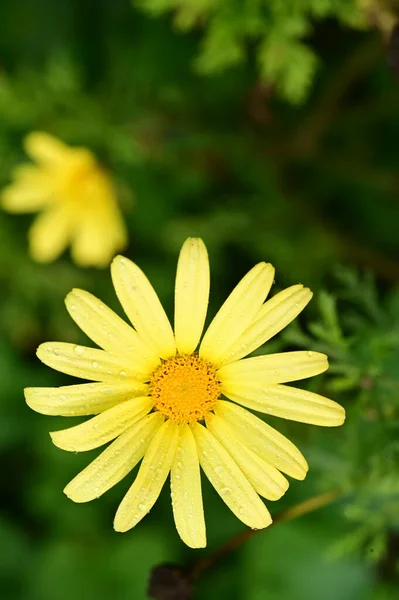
(185, 388)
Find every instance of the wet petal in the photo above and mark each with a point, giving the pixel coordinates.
(191, 294)
(188, 510)
(263, 440)
(265, 479)
(291, 403)
(109, 331)
(150, 479)
(83, 399)
(237, 313)
(253, 373)
(229, 481)
(83, 362)
(115, 462)
(141, 304)
(273, 316)
(103, 428)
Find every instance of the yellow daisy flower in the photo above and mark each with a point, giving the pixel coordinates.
(77, 201)
(166, 403)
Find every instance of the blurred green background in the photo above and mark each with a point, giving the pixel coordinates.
(312, 187)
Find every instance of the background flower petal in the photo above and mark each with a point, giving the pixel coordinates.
(45, 148)
(50, 233)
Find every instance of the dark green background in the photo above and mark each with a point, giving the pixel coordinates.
(312, 189)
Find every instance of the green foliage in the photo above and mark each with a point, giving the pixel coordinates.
(278, 31)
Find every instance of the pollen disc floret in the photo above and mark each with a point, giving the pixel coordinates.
(185, 388)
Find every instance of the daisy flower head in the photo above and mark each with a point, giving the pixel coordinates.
(177, 408)
(76, 201)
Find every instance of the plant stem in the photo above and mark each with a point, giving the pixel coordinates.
(303, 508)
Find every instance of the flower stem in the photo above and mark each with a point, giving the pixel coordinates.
(300, 509)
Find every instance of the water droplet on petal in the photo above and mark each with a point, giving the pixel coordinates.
(79, 350)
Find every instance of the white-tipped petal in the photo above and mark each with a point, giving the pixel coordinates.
(265, 479)
(82, 399)
(237, 313)
(103, 428)
(112, 465)
(150, 479)
(185, 480)
(141, 304)
(229, 481)
(191, 294)
(272, 317)
(263, 440)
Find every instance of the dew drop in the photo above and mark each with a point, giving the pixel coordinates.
(219, 469)
(79, 350)
(310, 353)
(123, 373)
(62, 397)
(224, 491)
(141, 507)
(95, 364)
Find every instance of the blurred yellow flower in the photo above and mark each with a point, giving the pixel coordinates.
(161, 401)
(77, 201)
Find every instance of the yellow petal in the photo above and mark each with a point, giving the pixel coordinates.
(30, 191)
(263, 440)
(84, 399)
(274, 315)
(185, 480)
(104, 427)
(100, 233)
(109, 331)
(237, 313)
(229, 481)
(141, 304)
(290, 403)
(191, 294)
(115, 462)
(259, 371)
(150, 479)
(83, 362)
(46, 149)
(50, 233)
(265, 479)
